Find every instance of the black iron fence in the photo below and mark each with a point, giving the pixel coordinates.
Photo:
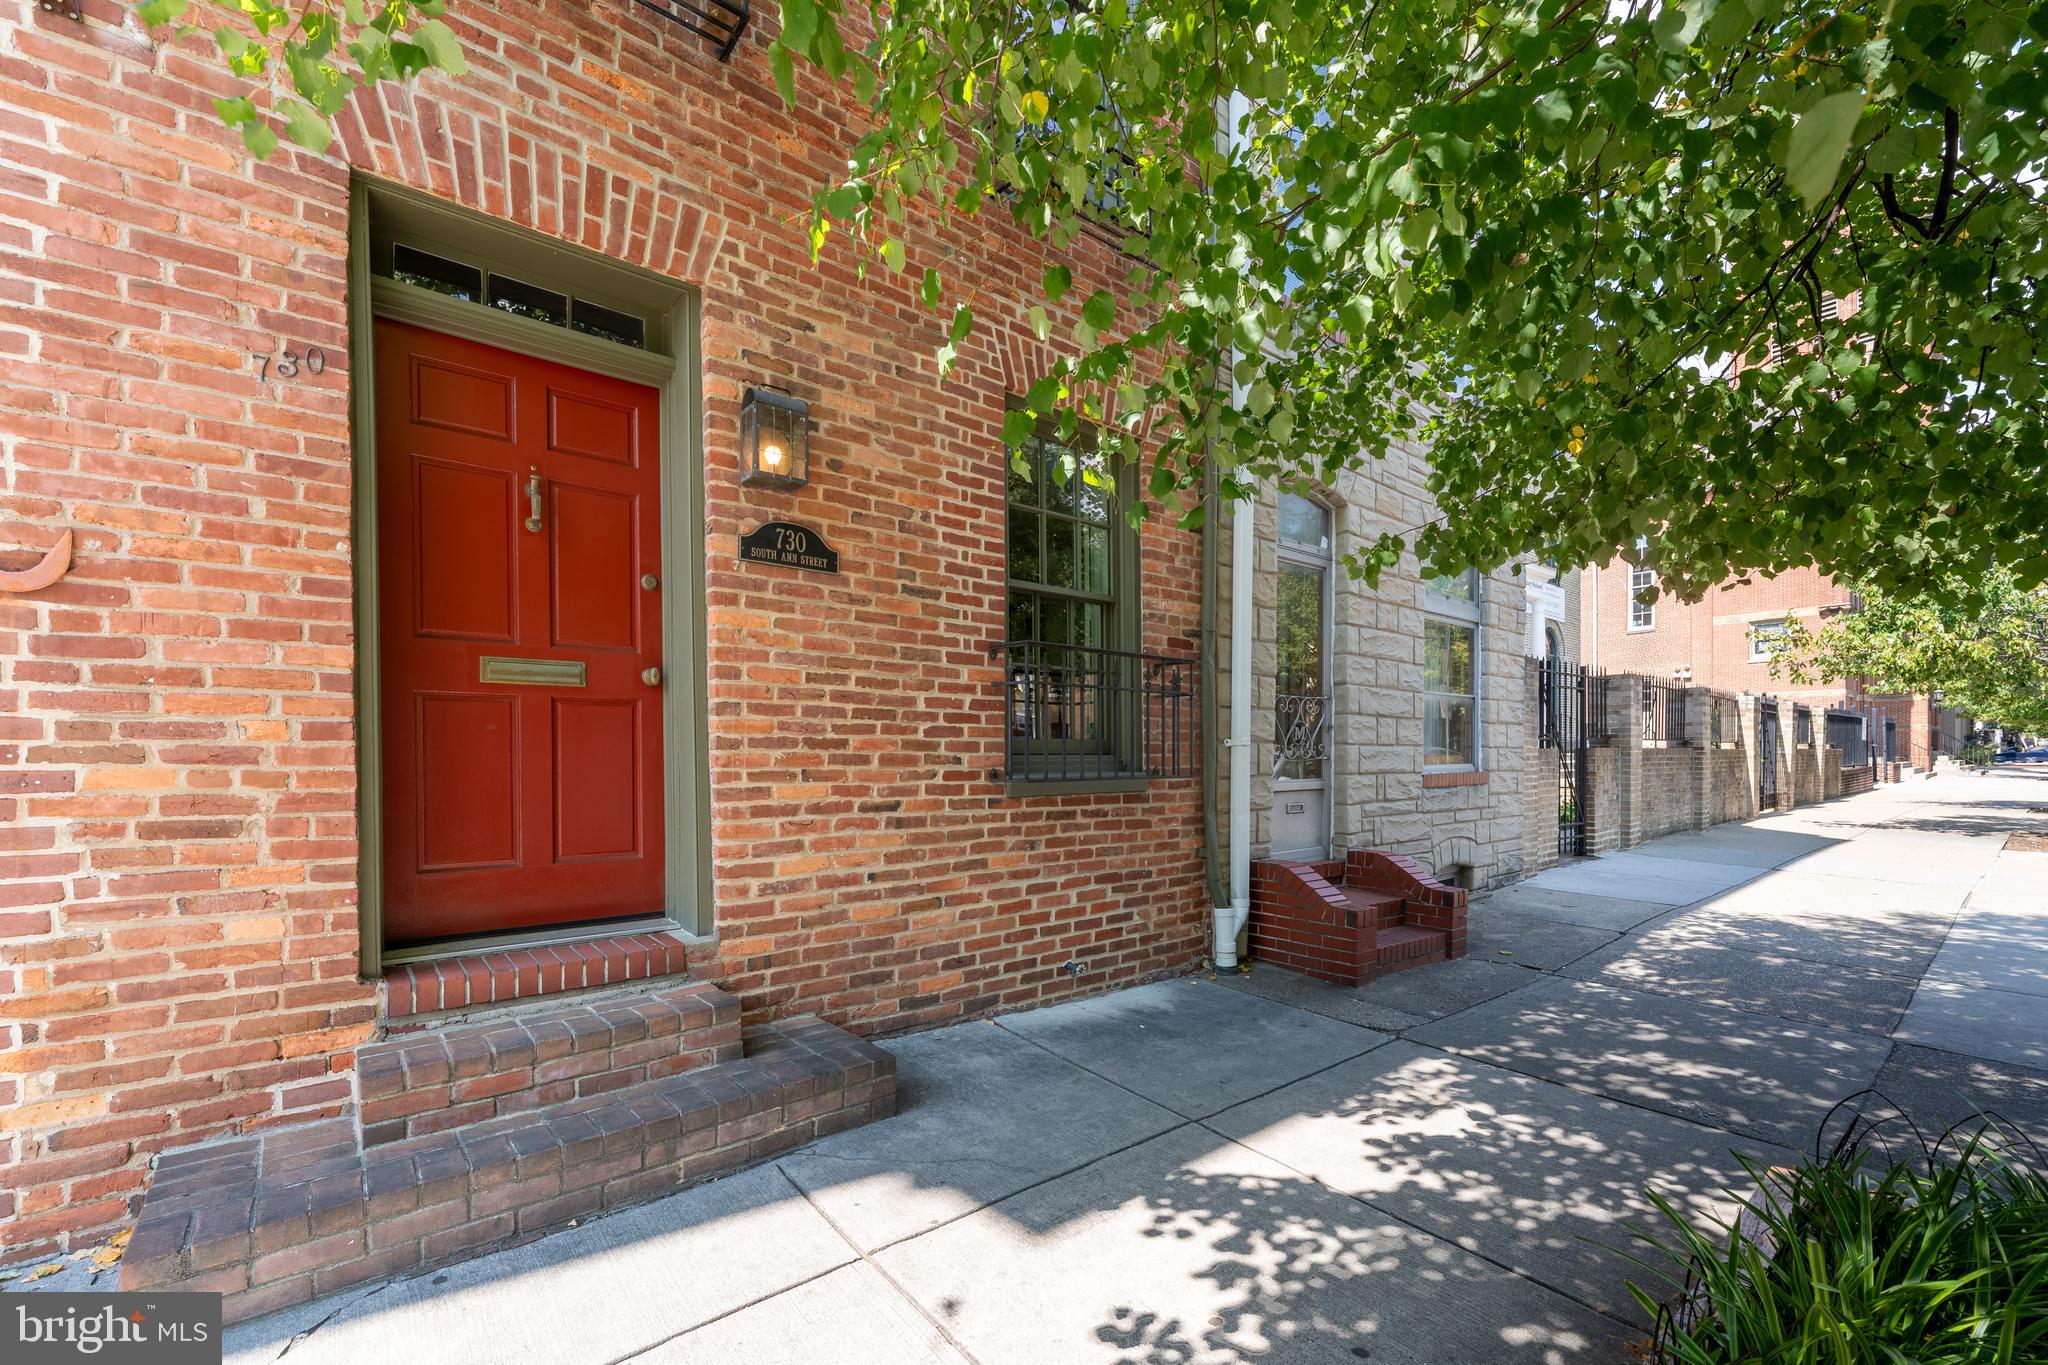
(1562, 707)
(1660, 714)
(1078, 713)
(1846, 731)
(1724, 722)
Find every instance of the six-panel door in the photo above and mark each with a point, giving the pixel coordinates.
(520, 608)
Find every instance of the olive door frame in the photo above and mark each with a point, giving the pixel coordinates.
(672, 365)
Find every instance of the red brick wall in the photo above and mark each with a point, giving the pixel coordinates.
(178, 935)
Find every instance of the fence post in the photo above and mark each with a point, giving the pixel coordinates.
(1788, 754)
(1621, 725)
(1699, 732)
(1749, 727)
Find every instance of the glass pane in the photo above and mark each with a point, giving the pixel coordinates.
(1461, 587)
(1304, 522)
(1062, 478)
(529, 301)
(1447, 730)
(608, 323)
(1446, 657)
(1301, 719)
(410, 265)
(1094, 559)
(1300, 629)
(1060, 570)
(1056, 626)
(1091, 624)
(1023, 474)
(1023, 619)
(1093, 499)
(1024, 546)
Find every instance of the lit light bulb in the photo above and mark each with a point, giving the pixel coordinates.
(771, 455)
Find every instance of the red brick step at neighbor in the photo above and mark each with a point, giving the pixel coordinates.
(283, 1216)
(1352, 919)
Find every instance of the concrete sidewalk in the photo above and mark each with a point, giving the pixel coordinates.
(1436, 1168)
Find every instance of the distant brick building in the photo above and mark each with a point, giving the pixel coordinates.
(1723, 642)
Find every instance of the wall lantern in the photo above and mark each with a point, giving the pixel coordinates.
(775, 440)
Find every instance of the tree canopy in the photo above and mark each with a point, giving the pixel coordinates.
(1598, 244)
(1989, 661)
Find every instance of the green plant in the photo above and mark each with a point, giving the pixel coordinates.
(1839, 1262)
(326, 48)
(1596, 248)
(1977, 754)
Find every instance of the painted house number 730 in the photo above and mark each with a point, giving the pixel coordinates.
(791, 542)
(292, 364)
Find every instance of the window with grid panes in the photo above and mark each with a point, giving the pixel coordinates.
(1071, 606)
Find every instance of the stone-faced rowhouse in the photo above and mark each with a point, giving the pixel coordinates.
(545, 670)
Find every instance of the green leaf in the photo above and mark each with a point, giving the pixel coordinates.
(784, 72)
(438, 41)
(234, 110)
(259, 138)
(304, 125)
(1100, 309)
(1820, 139)
(1058, 279)
(892, 254)
(843, 201)
(928, 288)
(963, 323)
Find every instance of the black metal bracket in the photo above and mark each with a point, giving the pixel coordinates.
(720, 22)
(70, 9)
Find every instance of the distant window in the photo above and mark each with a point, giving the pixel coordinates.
(1450, 670)
(1642, 611)
(1764, 640)
(1553, 643)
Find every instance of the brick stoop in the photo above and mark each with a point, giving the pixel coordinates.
(1352, 919)
(434, 1079)
(280, 1217)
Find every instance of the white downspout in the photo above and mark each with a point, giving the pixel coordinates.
(1230, 922)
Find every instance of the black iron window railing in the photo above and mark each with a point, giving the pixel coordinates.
(1081, 713)
(1724, 722)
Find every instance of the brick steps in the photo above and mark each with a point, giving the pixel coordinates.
(1352, 919)
(431, 1080)
(275, 1219)
(1407, 946)
(1381, 909)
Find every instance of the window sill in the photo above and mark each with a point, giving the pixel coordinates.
(1453, 777)
(1089, 786)
(1641, 630)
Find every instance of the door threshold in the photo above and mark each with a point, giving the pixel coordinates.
(553, 936)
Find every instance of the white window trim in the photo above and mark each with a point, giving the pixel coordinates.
(1459, 611)
(1756, 635)
(1649, 609)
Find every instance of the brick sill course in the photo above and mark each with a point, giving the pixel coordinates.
(1474, 779)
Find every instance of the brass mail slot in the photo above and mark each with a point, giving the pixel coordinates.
(493, 668)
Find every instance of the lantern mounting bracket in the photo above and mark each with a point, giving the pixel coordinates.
(718, 22)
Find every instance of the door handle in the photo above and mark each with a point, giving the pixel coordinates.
(533, 501)
(651, 676)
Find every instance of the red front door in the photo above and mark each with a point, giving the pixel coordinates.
(519, 538)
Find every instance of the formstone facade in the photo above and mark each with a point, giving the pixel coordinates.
(1464, 825)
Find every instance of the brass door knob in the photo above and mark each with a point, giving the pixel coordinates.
(651, 676)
